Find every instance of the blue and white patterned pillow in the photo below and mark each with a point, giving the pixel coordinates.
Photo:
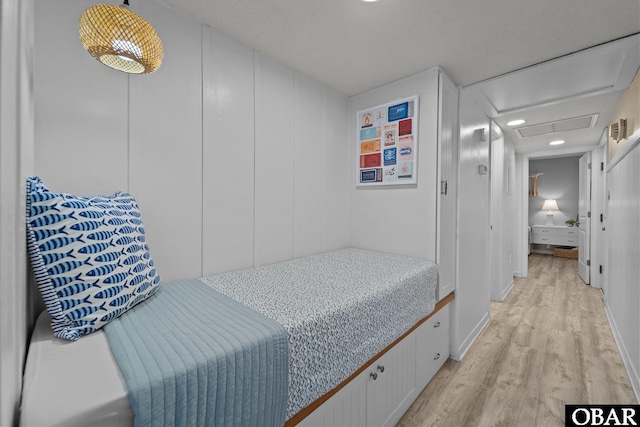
(89, 255)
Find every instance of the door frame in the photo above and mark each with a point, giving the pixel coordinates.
(598, 212)
(522, 214)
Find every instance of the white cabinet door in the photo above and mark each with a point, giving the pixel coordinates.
(346, 408)
(447, 172)
(391, 384)
(378, 396)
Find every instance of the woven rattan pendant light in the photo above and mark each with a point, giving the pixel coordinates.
(120, 39)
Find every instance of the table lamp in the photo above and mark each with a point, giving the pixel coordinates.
(550, 205)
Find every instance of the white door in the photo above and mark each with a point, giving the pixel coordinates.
(584, 217)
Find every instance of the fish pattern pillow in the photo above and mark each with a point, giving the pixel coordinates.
(89, 255)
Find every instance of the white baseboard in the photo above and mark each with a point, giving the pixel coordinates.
(458, 354)
(626, 359)
(500, 297)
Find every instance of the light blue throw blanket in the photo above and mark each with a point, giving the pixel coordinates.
(190, 356)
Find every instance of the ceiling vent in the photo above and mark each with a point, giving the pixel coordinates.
(565, 125)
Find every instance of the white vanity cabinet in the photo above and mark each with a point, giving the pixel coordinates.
(554, 235)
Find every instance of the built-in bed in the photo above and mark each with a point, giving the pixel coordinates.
(284, 338)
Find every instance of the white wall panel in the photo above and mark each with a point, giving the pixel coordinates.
(398, 219)
(165, 157)
(470, 309)
(227, 153)
(274, 157)
(336, 178)
(80, 107)
(622, 271)
(16, 162)
(310, 170)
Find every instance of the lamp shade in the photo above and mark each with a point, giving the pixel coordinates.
(550, 205)
(120, 39)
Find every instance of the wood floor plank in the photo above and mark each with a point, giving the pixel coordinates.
(548, 344)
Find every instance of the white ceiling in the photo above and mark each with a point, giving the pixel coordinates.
(354, 46)
(589, 82)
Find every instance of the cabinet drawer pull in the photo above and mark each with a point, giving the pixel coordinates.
(381, 368)
(437, 356)
(373, 375)
(437, 325)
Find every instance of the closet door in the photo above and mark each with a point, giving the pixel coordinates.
(447, 172)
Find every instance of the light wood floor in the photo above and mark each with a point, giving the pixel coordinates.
(548, 344)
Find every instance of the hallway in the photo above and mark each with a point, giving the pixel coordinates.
(548, 344)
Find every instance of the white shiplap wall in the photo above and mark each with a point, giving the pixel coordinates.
(235, 159)
(165, 145)
(228, 138)
(274, 155)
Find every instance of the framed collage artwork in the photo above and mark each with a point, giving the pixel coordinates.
(387, 143)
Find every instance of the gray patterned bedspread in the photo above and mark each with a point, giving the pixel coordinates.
(339, 308)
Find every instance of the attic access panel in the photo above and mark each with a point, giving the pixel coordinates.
(564, 125)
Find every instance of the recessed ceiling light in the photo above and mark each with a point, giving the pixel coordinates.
(368, 1)
(515, 122)
(558, 142)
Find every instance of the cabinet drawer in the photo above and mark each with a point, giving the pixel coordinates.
(432, 347)
(568, 232)
(544, 240)
(563, 236)
(545, 231)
